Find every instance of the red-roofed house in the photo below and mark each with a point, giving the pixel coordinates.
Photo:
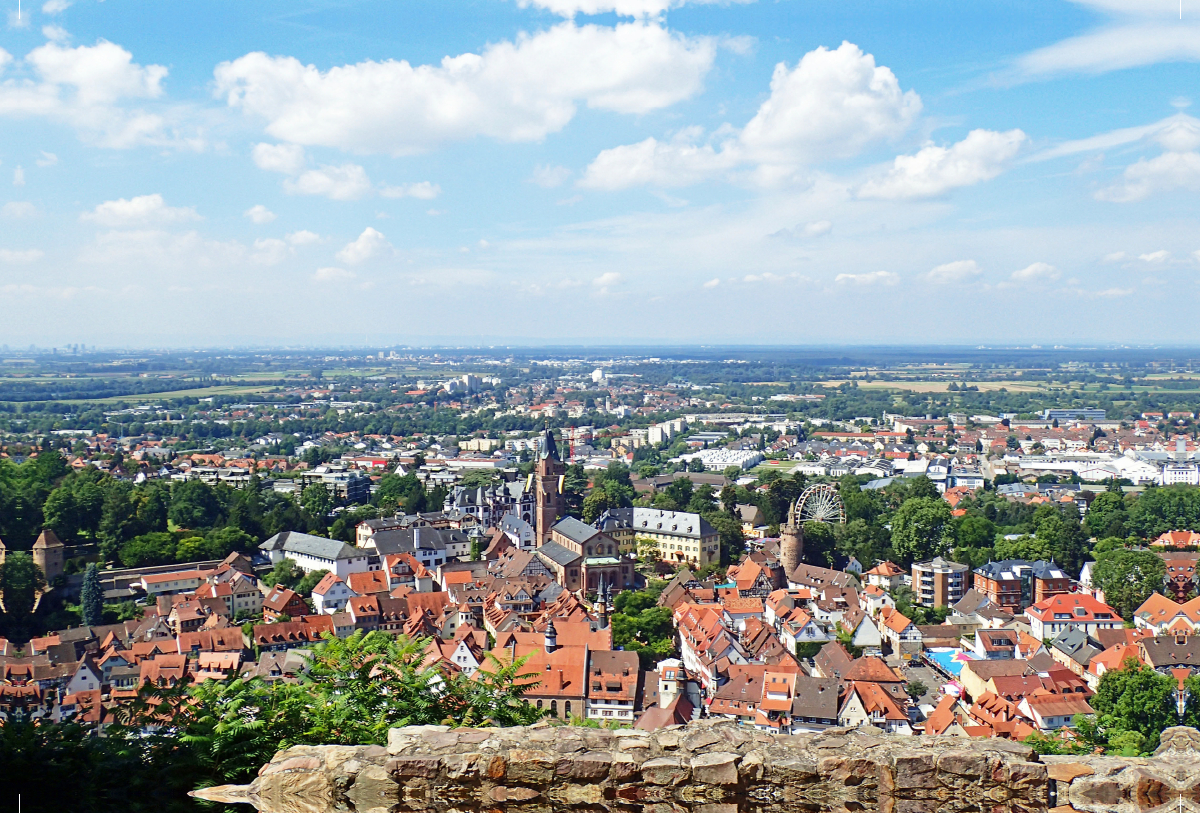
(1049, 617)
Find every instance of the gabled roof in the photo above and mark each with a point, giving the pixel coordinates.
(308, 545)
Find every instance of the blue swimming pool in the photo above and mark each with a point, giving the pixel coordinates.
(949, 661)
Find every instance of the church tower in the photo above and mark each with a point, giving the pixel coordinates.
(548, 487)
(791, 543)
(48, 554)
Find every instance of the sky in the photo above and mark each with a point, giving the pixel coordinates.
(324, 172)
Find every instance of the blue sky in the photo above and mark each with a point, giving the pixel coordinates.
(634, 171)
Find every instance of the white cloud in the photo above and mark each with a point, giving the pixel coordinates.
(259, 214)
(14, 257)
(869, 278)
(623, 8)
(817, 229)
(56, 33)
(19, 176)
(138, 211)
(1115, 257)
(303, 238)
(55, 6)
(712, 283)
(347, 182)
(1160, 256)
(423, 190)
(270, 251)
(18, 208)
(1035, 272)
(512, 91)
(286, 158)
(833, 104)
(936, 170)
(370, 244)
(548, 176)
(1111, 293)
(162, 251)
(17, 20)
(1116, 47)
(606, 279)
(1168, 172)
(333, 274)
(87, 88)
(957, 271)
(48, 159)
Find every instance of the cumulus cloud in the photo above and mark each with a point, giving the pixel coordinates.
(286, 158)
(270, 251)
(259, 214)
(1035, 272)
(606, 279)
(89, 88)
(1168, 172)
(423, 190)
(957, 271)
(935, 170)
(48, 159)
(1155, 257)
(548, 176)
(19, 176)
(869, 278)
(1110, 293)
(712, 283)
(347, 182)
(512, 91)
(139, 211)
(369, 245)
(55, 6)
(816, 229)
(162, 250)
(833, 104)
(10, 256)
(333, 274)
(303, 238)
(17, 208)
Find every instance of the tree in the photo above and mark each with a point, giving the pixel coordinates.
(148, 549)
(1128, 578)
(818, 543)
(21, 582)
(285, 572)
(915, 689)
(922, 529)
(975, 531)
(316, 500)
(305, 586)
(91, 597)
(695, 465)
(1106, 515)
(1171, 508)
(596, 504)
(195, 505)
(1134, 698)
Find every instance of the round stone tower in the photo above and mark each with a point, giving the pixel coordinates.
(791, 543)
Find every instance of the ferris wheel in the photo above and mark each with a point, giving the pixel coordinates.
(820, 503)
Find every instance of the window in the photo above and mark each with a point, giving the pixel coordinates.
(567, 708)
(554, 707)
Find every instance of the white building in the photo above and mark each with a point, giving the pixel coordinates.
(316, 553)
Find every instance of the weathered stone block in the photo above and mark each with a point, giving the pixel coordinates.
(664, 771)
(720, 768)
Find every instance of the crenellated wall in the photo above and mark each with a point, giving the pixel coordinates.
(713, 767)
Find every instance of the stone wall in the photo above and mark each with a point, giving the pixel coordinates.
(713, 767)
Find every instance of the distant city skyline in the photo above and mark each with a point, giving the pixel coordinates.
(582, 172)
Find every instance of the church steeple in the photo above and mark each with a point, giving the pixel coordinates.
(548, 487)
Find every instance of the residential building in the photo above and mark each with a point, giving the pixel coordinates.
(1014, 584)
(939, 582)
(1049, 617)
(678, 536)
(315, 553)
(331, 595)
